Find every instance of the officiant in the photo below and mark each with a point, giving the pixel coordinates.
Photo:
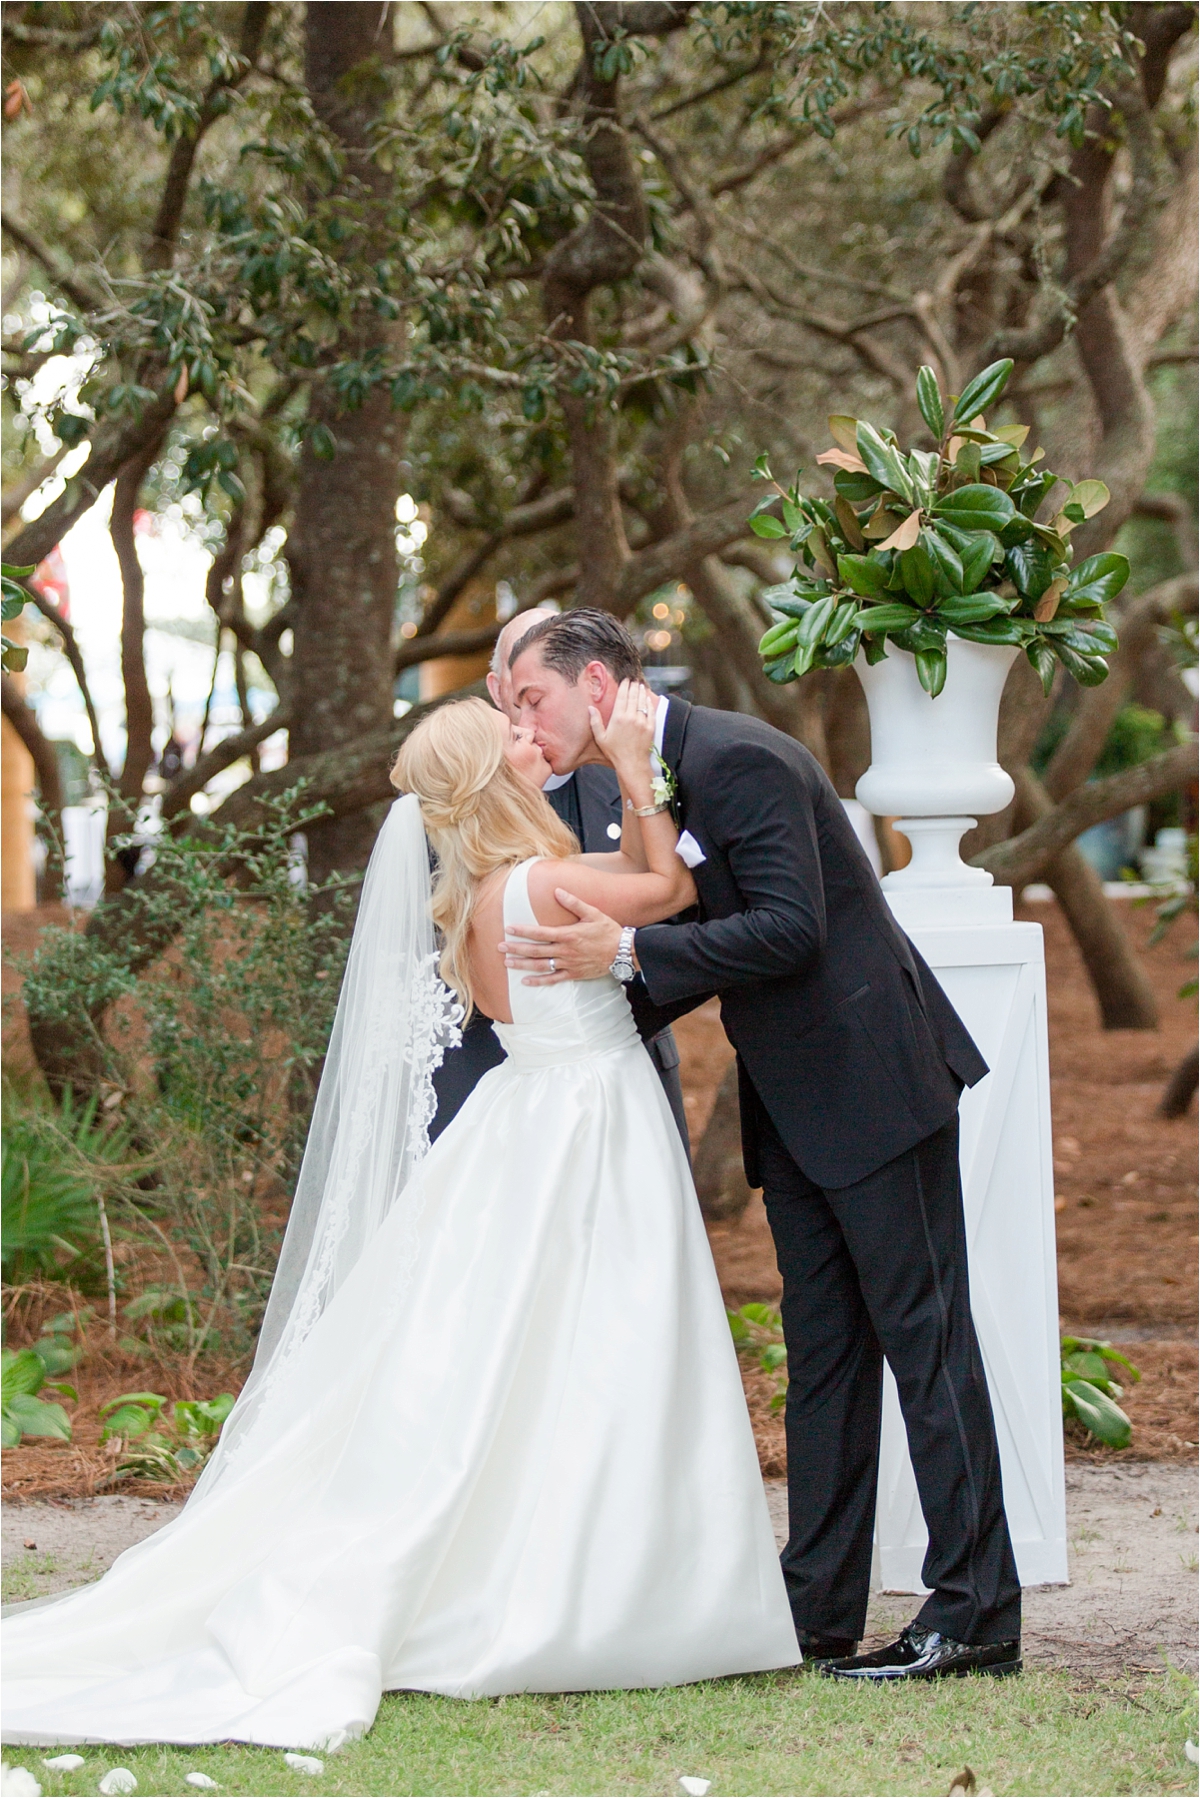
(589, 803)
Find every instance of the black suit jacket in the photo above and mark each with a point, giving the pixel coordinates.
(841, 1028)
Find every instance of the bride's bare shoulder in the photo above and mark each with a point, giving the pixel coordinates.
(544, 877)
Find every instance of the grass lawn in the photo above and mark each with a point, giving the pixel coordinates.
(1046, 1732)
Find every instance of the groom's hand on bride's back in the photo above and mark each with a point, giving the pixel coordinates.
(549, 953)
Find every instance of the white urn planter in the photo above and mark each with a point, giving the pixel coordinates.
(933, 761)
(934, 769)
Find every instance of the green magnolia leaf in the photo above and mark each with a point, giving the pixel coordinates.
(813, 623)
(841, 624)
(1096, 1412)
(886, 618)
(1087, 640)
(968, 462)
(931, 670)
(948, 568)
(779, 638)
(793, 517)
(971, 608)
(1044, 663)
(781, 671)
(977, 559)
(1099, 579)
(1002, 631)
(916, 569)
(766, 526)
(857, 489)
(865, 575)
(981, 393)
(883, 462)
(1087, 1365)
(929, 399)
(975, 508)
(1089, 671)
(1030, 567)
(1031, 491)
(1090, 496)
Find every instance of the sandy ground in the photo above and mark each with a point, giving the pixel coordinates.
(1132, 1602)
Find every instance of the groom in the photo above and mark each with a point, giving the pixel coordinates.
(851, 1061)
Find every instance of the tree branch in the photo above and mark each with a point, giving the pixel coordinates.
(74, 656)
(183, 152)
(1092, 719)
(1023, 857)
(670, 558)
(178, 796)
(23, 719)
(81, 296)
(112, 446)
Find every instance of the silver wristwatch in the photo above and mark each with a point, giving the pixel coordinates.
(621, 967)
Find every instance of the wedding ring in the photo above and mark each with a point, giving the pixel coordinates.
(553, 965)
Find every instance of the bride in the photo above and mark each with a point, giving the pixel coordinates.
(494, 1439)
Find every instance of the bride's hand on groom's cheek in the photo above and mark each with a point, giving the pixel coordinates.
(549, 953)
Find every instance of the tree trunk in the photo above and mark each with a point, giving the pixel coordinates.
(720, 1177)
(139, 706)
(45, 762)
(1124, 994)
(1181, 1086)
(342, 548)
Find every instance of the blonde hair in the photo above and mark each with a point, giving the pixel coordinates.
(480, 814)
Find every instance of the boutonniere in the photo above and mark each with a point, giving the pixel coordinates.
(663, 784)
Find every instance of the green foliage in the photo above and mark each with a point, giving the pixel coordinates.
(55, 1162)
(757, 1331)
(163, 1441)
(935, 543)
(208, 1055)
(13, 656)
(1090, 1392)
(22, 1412)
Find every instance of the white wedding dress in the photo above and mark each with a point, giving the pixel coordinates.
(535, 1473)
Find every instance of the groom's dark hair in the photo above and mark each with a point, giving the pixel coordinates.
(569, 642)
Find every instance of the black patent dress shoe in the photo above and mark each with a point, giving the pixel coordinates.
(824, 1648)
(921, 1653)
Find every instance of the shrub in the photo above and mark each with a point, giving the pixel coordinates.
(208, 1056)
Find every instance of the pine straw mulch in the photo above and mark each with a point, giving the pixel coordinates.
(46, 1468)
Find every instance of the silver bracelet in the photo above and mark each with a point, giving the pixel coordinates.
(647, 811)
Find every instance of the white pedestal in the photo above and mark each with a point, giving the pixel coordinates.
(993, 971)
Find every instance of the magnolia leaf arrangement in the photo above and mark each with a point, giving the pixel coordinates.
(923, 544)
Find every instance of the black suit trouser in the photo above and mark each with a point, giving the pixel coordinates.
(872, 1270)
